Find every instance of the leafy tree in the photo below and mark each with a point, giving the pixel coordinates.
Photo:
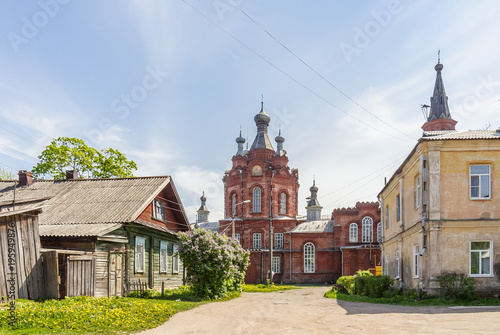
(65, 153)
(214, 263)
(6, 174)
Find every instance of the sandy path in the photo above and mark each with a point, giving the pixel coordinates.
(306, 311)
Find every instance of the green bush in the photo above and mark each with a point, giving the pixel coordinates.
(372, 286)
(347, 283)
(215, 264)
(456, 286)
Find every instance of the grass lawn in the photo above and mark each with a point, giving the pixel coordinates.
(267, 288)
(88, 315)
(412, 299)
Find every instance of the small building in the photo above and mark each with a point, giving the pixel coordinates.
(100, 235)
(441, 209)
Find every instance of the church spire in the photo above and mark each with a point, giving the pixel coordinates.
(262, 139)
(203, 211)
(439, 117)
(279, 145)
(313, 207)
(240, 140)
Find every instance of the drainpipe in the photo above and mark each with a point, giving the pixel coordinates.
(342, 262)
(271, 229)
(290, 254)
(424, 203)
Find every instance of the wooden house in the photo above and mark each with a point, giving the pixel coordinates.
(99, 235)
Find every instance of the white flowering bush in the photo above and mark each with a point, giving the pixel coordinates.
(214, 263)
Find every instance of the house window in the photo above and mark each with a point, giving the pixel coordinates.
(163, 257)
(397, 263)
(480, 182)
(398, 208)
(159, 210)
(480, 259)
(140, 257)
(278, 241)
(233, 205)
(257, 171)
(237, 237)
(353, 233)
(309, 258)
(379, 232)
(367, 231)
(175, 259)
(386, 217)
(257, 242)
(276, 264)
(417, 192)
(256, 199)
(416, 254)
(283, 204)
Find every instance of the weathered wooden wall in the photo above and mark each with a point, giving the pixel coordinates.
(29, 270)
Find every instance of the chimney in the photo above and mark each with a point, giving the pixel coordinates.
(25, 178)
(71, 174)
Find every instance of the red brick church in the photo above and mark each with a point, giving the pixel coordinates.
(261, 198)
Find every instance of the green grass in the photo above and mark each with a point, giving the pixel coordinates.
(267, 288)
(413, 300)
(88, 315)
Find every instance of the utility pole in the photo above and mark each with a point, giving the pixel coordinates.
(271, 230)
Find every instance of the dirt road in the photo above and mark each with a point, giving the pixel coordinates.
(306, 311)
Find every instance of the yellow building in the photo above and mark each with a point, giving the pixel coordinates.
(441, 208)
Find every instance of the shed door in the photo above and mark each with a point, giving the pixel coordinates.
(80, 276)
(115, 274)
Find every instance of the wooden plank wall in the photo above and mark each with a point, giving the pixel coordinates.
(29, 270)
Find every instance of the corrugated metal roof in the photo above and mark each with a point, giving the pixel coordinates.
(211, 226)
(320, 226)
(461, 135)
(89, 200)
(78, 230)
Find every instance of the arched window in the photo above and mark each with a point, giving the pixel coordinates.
(309, 258)
(256, 200)
(283, 204)
(233, 205)
(379, 232)
(257, 171)
(367, 229)
(353, 233)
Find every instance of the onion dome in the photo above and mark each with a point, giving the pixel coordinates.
(240, 140)
(262, 139)
(279, 145)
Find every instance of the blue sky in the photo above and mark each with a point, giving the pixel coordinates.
(169, 83)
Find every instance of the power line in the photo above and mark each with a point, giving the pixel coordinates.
(27, 139)
(289, 76)
(316, 72)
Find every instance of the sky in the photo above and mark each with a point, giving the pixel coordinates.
(170, 84)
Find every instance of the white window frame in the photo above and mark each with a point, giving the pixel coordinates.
(309, 258)
(416, 261)
(256, 197)
(397, 265)
(367, 230)
(417, 192)
(237, 237)
(159, 210)
(482, 253)
(257, 241)
(140, 254)
(276, 264)
(353, 233)
(283, 203)
(380, 232)
(278, 240)
(479, 186)
(175, 259)
(163, 256)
